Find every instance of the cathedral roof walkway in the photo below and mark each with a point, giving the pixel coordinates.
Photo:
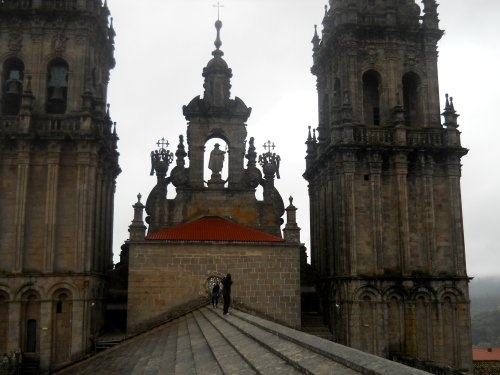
(206, 342)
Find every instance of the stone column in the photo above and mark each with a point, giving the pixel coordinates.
(83, 261)
(457, 231)
(330, 220)
(53, 160)
(99, 218)
(13, 331)
(401, 171)
(46, 332)
(21, 196)
(429, 214)
(377, 222)
(349, 211)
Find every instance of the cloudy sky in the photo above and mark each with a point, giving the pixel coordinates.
(163, 45)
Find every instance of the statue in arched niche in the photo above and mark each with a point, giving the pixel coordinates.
(216, 161)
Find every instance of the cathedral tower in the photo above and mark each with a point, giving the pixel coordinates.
(384, 185)
(58, 166)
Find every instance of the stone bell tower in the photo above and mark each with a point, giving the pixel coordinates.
(58, 166)
(384, 186)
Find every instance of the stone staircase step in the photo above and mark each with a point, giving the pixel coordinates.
(184, 354)
(230, 361)
(167, 362)
(298, 356)
(206, 342)
(313, 324)
(261, 359)
(204, 360)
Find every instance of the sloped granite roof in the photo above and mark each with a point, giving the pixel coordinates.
(212, 228)
(206, 342)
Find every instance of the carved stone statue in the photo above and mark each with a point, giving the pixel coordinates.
(216, 160)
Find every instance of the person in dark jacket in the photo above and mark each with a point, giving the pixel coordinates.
(226, 292)
(215, 293)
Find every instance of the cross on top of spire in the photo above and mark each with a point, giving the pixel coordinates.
(162, 143)
(218, 6)
(269, 146)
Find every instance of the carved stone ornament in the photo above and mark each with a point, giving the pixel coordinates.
(60, 42)
(411, 58)
(15, 41)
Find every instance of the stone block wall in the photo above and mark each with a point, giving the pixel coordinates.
(62, 333)
(163, 275)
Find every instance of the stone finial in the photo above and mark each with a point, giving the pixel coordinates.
(253, 176)
(137, 229)
(315, 40)
(161, 159)
(311, 144)
(181, 152)
(218, 42)
(251, 156)
(270, 161)
(430, 18)
(449, 114)
(291, 232)
(217, 75)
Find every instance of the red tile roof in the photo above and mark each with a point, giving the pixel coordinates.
(486, 354)
(212, 228)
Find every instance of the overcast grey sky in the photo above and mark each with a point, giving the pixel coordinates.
(163, 45)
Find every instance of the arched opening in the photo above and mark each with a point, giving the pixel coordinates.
(4, 322)
(31, 317)
(57, 86)
(13, 75)
(371, 97)
(216, 161)
(411, 99)
(61, 321)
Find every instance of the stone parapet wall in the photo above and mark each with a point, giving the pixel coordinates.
(266, 276)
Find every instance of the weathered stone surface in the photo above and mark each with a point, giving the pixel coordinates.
(206, 342)
(58, 165)
(166, 274)
(384, 185)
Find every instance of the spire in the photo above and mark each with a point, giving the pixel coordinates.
(217, 75)
(315, 40)
(291, 233)
(137, 229)
(449, 113)
(218, 42)
(311, 150)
